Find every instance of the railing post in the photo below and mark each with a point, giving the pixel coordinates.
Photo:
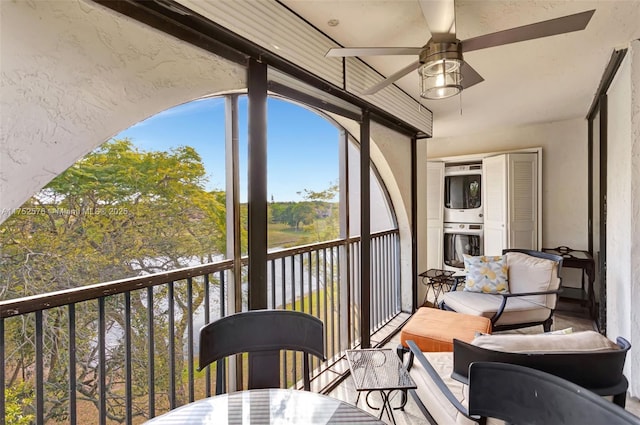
(365, 232)
(257, 194)
(234, 248)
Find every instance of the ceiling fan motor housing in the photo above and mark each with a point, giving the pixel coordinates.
(435, 52)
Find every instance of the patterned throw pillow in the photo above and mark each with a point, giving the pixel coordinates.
(486, 274)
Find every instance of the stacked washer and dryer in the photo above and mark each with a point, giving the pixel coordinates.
(463, 214)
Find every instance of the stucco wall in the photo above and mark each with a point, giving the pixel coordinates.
(623, 210)
(619, 202)
(391, 155)
(634, 360)
(75, 74)
(564, 172)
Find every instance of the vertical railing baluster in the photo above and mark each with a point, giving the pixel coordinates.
(284, 306)
(397, 269)
(72, 365)
(172, 348)
(128, 392)
(358, 281)
(102, 359)
(39, 369)
(223, 313)
(293, 283)
(383, 279)
(325, 309)
(381, 301)
(372, 284)
(283, 268)
(190, 339)
(383, 282)
(151, 375)
(273, 283)
(377, 296)
(3, 408)
(302, 309)
(392, 290)
(335, 300)
(314, 362)
(283, 280)
(356, 296)
(223, 293)
(301, 256)
(310, 282)
(355, 300)
(207, 319)
(318, 315)
(389, 277)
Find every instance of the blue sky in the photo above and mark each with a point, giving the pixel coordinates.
(302, 146)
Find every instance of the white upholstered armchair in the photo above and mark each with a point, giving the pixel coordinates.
(533, 288)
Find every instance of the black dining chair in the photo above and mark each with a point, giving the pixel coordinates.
(262, 334)
(525, 396)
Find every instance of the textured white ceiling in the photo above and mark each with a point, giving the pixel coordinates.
(543, 80)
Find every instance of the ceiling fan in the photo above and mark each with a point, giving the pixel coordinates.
(443, 72)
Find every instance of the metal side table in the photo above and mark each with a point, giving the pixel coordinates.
(380, 369)
(438, 282)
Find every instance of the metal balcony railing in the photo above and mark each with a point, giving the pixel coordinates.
(125, 351)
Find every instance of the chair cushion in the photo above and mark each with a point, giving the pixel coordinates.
(436, 403)
(486, 274)
(533, 274)
(586, 341)
(517, 310)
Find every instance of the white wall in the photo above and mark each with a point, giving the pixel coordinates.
(634, 358)
(564, 172)
(74, 74)
(421, 212)
(623, 209)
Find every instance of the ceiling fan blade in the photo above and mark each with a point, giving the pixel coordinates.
(470, 76)
(556, 26)
(373, 51)
(393, 78)
(440, 16)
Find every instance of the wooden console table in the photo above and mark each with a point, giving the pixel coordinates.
(577, 259)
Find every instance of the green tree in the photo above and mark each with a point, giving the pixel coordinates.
(116, 213)
(301, 213)
(326, 224)
(17, 399)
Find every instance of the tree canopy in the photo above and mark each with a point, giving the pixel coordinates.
(113, 214)
(119, 212)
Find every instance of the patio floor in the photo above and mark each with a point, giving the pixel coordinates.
(566, 316)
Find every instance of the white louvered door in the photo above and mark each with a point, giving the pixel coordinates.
(510, 203)
(522, 206)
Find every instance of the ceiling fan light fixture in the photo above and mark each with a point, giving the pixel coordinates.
(440, 80)
(440, 76)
